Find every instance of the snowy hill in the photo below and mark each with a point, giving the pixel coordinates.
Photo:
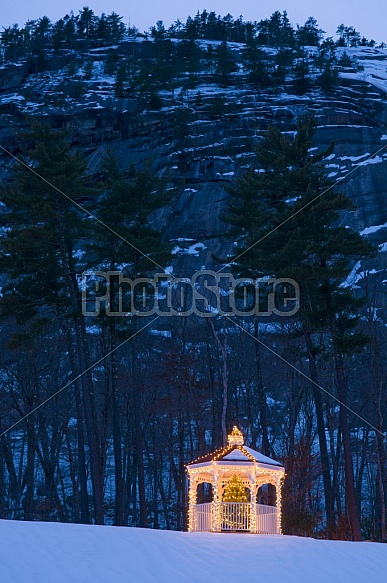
(70, 553)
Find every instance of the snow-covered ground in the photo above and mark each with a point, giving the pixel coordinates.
(374, 63)
(32, 552)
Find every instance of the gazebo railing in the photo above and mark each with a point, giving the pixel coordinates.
(236, 516)
(266, 519)
(203, 516)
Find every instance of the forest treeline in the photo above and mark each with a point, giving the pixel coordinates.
(87, 30)
(272, 54)
(130, 401)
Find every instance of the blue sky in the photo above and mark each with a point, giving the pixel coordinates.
(369, 17)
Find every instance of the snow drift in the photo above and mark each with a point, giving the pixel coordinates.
(36, 552)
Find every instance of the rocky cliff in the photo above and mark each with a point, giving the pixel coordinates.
(215, 141)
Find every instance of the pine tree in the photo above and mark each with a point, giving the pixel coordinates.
(115, 28)
(86, 23)
(111, 62)
(88, 69)
(127, 201)
(125, 205)
(302, 81)
(235, 491)
(121, 79)
(224, 63)
(309, 35)
(303, 243)
(255, 63)
(191, 54)
(329, 78)
(38, 257)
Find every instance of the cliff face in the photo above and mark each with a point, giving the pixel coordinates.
(216, 140)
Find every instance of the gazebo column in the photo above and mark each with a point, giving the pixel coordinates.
(216, 509)
(278, 491)
(192, 495)
(253, 509)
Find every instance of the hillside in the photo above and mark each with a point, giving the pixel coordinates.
(203, 134)
(32, 552)
(160, 131)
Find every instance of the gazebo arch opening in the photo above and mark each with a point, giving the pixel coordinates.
(267, 495)
(204, 493)
(235, 489)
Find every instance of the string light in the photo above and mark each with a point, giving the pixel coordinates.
(253, 473)
(235, 437)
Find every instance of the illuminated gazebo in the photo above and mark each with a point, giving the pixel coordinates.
(210, 477)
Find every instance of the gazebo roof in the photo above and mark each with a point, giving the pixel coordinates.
(236, 452)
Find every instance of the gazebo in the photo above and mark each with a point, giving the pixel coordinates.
(257, 474)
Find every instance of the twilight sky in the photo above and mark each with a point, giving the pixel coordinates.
(368, 17)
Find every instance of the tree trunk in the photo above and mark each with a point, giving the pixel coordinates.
(83, 359)
(85, 514)
(380, 464)
(261, 393)
(138, 440)
(352, 508)
(378, 376)
(29, 473)
(84, 496)
(117, 446)
(223, 350)
(6, 454)
(140, 467)
(325, 465)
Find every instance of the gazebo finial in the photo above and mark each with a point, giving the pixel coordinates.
(235, 437)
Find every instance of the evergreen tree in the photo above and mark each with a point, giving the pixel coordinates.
(190, 55)
(282, 209)
(302, 80)
(39, 259)
(329, 78)
(115, 28)
(167, 65)
(158, 32)
(217, 107)
(224, 63)
(181, 120)
(70, 23)
(176, 29)
(210, 58)
(101, 29)
(58, 35)
(287, 32)
(88, 69)
(121, 80)
(284, 62)
(346, 61)
(309, 35)
(235, 491)
(326, 54)
(276, 31)
(111, 62)
(12, 41)
(228, 22)
(40, 39)
(86, 23)
(348, 36)
(124, 206)
(192, 28)
(255, 63)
